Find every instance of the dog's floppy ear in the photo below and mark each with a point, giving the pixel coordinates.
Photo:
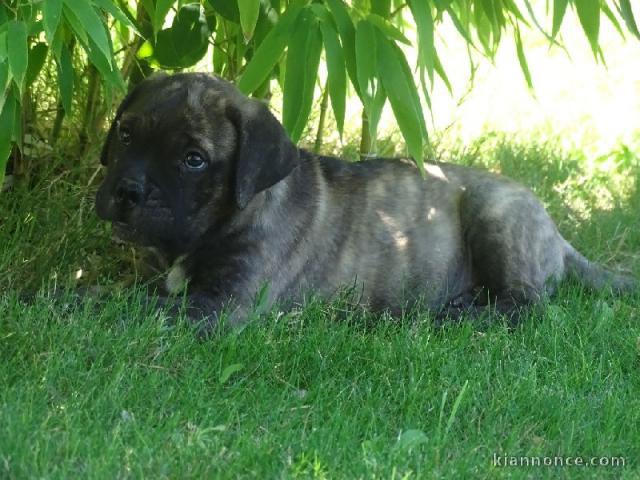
(264, 154)
(128, 99)
(104, 153)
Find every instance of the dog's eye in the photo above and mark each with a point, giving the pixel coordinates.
(195, 161)
(125, 135)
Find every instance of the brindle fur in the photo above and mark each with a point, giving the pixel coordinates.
(266, 211)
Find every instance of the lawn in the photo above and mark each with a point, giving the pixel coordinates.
(106, 389)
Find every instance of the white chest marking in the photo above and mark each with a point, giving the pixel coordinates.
(176, 278)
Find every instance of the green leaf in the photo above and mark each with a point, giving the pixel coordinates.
(149, 7)
(421, 12)
(336, 73)
(348, 36)
(227, 9)
(303, 58)
(51, 13)
(17, 136)
(410, 439)
(93, 24)
(160, 13)
(589, 15)
(372, 92)
(437, 65)
(381, 7)
(116, 12)
(389, 30)
(627, 14)
(7, 124)
(524, 66)
(513, 8)
(487, 7)
(484, 30)
(4, 82)
(229, 370)
(65, 78)
(186, 42)
(401, 90)
(559, 9)
(18, 51)
(37, 56)
(3, 46)
(110, 74)
(76, 25)
(462, 30)
(249, 11)
(612, 18)
(269, 52)
(366, 61)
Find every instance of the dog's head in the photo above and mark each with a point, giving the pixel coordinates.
(183, 155)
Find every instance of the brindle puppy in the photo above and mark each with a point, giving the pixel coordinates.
(209, 178)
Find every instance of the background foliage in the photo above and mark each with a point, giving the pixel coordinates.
(68, 61)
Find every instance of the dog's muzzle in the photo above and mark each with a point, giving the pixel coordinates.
(129, 193)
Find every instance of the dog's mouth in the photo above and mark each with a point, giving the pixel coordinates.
(125, 233)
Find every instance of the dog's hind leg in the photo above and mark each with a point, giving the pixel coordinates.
(510, 305)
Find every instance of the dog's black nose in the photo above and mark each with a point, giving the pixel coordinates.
(129, 193)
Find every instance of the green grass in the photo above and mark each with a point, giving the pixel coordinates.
(108, 390)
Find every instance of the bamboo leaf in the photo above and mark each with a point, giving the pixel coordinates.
(110, 7)
(366, 60)
(93, 24)
(462, 30)
(437, 65)
(410, 439)
(348, 36)
(269, 52)
(65, 78)
(4, 80)
(51, 13)
(160, 13)
(612, 18)
(389, 29)
(381, 7)
(18, 51)
(249, 11)
(76, 25)
(424, 24)
(559, 9)
(186, 41)
(111, 75)
(336, 73)
(513, 8)
(3, 45)
(37, 56)
(229, 370)
(303, 58)
(524, 66)
(7, 123)
(537, 24)
(227, 9)
(589, 15)
(401, 92)
(627, 14)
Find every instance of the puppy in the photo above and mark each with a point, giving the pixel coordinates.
(209, 178)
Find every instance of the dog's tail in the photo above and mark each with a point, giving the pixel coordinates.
(595, 276)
